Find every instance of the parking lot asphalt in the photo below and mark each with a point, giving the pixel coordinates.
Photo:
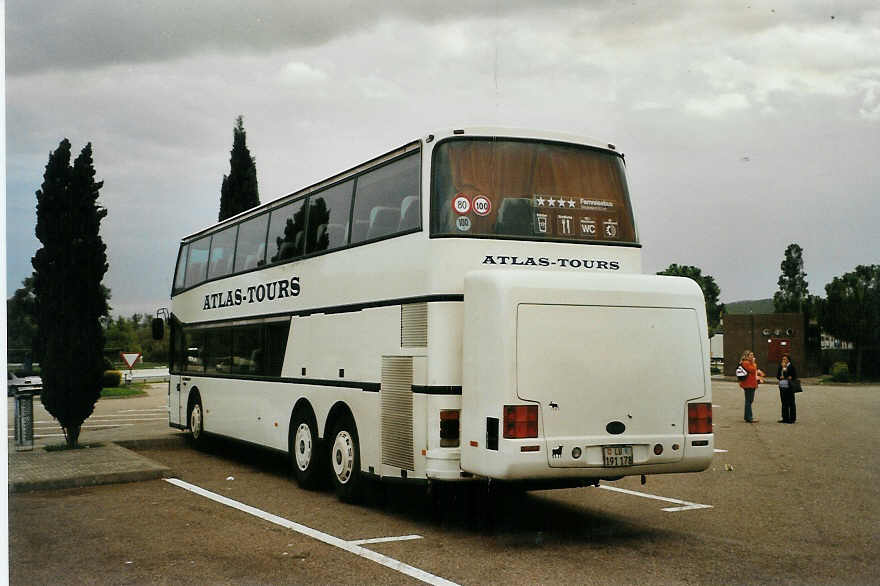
(780, 504)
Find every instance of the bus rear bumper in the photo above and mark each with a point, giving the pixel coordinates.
(445, 464)
(695, 455)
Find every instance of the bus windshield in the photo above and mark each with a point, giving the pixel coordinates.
(505, 188)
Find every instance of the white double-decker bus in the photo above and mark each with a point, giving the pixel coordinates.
(465, 307)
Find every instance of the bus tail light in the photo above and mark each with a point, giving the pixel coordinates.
(449, 428)
(699, 417)
(520, 421)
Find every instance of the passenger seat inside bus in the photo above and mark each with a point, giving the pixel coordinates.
(409, 213)
(515, 216)
(383, 221)
(335, 235)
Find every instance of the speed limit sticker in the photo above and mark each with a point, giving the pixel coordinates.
(482, 205)
(461, 204)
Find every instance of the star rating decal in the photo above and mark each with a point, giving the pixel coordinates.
(552, 202)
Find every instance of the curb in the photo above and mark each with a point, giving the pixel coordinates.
(109, 463)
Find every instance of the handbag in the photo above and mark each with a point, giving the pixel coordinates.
(741, 373)
(796, 385)
(783, 383)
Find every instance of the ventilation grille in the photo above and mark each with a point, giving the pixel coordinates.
(397, 412)
(414, 325)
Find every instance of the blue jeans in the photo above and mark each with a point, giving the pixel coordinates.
(750, 397)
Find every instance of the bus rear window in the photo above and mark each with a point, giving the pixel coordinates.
(529, 190)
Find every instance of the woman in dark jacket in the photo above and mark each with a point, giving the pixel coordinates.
(787, 375)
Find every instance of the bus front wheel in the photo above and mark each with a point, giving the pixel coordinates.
(196, 422)
(345, 461)
(306, 454)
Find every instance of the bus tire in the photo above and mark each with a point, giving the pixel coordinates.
(345, 461)
(195, 418)
(305, 450)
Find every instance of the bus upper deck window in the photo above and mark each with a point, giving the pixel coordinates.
(222, 252)
(250, 251)
(287, 232)
(197, 261)
(380, 197)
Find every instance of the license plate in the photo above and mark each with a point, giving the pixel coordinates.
(617, 456)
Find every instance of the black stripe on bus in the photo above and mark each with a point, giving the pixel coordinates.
(435, 390)
(367, 387)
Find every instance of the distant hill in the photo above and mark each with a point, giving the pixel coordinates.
(749, 306)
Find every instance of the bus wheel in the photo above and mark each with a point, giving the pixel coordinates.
(305, 450)
(196, 422)
(345, 461)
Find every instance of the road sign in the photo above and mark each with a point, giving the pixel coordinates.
(130, 358)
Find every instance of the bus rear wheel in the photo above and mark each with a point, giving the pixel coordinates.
(345, 461)
(306, 455)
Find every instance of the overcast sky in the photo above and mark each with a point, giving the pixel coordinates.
(746, 127)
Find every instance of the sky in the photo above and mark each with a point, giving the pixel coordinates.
(746, 126)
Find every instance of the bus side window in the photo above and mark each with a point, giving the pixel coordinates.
(180, 272)
(194, 347)
(276, 345)
(379, 198)
(246, 346)
(251, 243)
(217, 351)
(197, 263)
(222, 251)
(328, 214)
(286, 228)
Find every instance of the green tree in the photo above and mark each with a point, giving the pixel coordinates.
(793, 294)
(121, 334)
(70, 299)
(851, 310)
(239, 189)
(711, 291)
(21, 319)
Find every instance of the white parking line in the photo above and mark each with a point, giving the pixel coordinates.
(385, 539)
(717, 451)
(687, 506)
(315, 534)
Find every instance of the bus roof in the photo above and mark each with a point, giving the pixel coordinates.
(470, 131)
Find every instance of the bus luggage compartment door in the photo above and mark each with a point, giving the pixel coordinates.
(615, 377)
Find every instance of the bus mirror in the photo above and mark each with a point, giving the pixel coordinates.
(158, 328)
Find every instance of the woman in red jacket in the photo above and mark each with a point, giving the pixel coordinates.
(750, 383)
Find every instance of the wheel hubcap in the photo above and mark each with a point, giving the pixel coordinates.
(303, 447)
(343, 456)
(195, 420)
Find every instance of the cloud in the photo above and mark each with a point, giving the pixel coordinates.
(719, 105)
(687, 92)
(300, 74)
(84, 34)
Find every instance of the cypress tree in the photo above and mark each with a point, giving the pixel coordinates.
(70, 299)
(793, 291)
(239, 189)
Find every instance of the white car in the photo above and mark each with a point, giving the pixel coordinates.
(33, 384)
